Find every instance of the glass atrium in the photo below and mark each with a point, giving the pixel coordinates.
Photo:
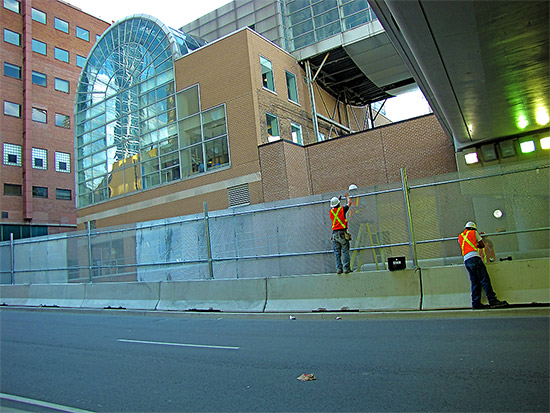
(132, 130)
(310, 21)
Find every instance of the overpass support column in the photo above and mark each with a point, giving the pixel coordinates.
(312, 101)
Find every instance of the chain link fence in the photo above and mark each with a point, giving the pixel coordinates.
(292, 237)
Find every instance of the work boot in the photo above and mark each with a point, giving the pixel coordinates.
(479, 306)
(498, 304)
(347, 271)
(339, 272)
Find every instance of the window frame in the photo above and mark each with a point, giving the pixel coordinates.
(63, 158)
(36, 42)
(78, 57)
(58, 191)
(58, 115)
(36, 15)
(12, 103)
(295, 87)
(9, 6)
(13, 186)
(38, 75)
(58, 57)
(265, 82)
(62, 80)
(11, 32)
(61, 25)
(39, 115)
(271, 137)
(41, 154)
(11, 66)
(9, 149)
(300, 140)
(40, 192)
(85, 38)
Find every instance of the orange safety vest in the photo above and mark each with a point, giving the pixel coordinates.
(467, 241)
(338, 218)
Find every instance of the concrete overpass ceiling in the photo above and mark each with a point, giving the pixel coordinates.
(482, 65)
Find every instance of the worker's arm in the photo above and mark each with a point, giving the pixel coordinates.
(348, 198)
(479, 240)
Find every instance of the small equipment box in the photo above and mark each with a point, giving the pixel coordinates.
(397, 263)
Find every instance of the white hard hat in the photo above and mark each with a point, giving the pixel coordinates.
(352, 187)
(470, 224)
(334, 201)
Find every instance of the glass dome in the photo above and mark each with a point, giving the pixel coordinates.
(126, 134)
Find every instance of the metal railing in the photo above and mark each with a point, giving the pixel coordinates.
(418, 220)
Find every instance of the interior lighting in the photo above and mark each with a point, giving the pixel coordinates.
(488, 152)
(527, 146)
(471, 158)
(497, 213)
(542, 116)
(545, 142)
(522, 122)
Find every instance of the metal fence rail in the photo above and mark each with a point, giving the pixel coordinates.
(418, 220)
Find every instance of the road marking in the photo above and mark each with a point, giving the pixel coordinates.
(40, 403)
(160, 343)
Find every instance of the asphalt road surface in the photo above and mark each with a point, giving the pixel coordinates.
(55, 361)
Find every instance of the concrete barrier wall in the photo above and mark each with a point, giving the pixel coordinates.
(61, 295)
(242, 295)
(17, 294)
(518, 282)
(381, 290)
(132, 296)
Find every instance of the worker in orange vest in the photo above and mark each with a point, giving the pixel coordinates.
(340, 237)
(470, 242)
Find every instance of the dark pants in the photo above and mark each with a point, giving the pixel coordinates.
(479, 279)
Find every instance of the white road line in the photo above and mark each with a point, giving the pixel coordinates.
(177, 344)
(42, 404)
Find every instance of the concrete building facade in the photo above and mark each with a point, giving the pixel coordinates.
(45, 44)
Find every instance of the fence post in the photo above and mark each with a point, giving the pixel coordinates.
(89, 250)
(409, 215)
(12, 260)
(208, 246)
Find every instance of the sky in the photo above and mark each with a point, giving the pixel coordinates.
(176, 13)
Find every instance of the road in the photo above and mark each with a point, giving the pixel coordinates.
(113, 362)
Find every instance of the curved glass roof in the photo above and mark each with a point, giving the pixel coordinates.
(125, 98)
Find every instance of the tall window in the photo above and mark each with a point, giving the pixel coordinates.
(38, 16)
(267, 74)
(61, 54)
(62, 85)
(292, 87)
(63, 162)
(39, 158)
(272, 127)
(39, 78)
(12, 154)
(38, 46)
(12, 37)
(297, 133)
(12, 70)
(61, 25)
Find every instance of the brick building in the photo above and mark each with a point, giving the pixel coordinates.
(44, 47)
(228, 123)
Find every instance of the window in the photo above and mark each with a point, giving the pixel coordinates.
(12, 154)
(12, 5)
(12, 37)
(272, 128)
(39, 47)
(292, 87)
(39, 115)
(62, 162)
(11, 189)
(39, 78)
(61, 25)
(267, 74)
(62, 85)
(80, 60)
(63, 121)
(39, 192)
(64, 194)
(38, 16)
(61, 54)
(39, 158)
(296, 133)
(82, 33)
(12, 109)
(12, 70)
(188, 102)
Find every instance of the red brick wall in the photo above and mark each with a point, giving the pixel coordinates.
(43, 136)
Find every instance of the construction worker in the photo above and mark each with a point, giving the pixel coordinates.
(470, 241)
(340, 237)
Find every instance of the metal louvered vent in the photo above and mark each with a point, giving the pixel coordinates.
(238, 195)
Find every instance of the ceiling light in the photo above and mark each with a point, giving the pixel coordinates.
(527, 146)
(471, 158)
(522, 122)
(542, 116)
(545, 142)
(497, 213)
